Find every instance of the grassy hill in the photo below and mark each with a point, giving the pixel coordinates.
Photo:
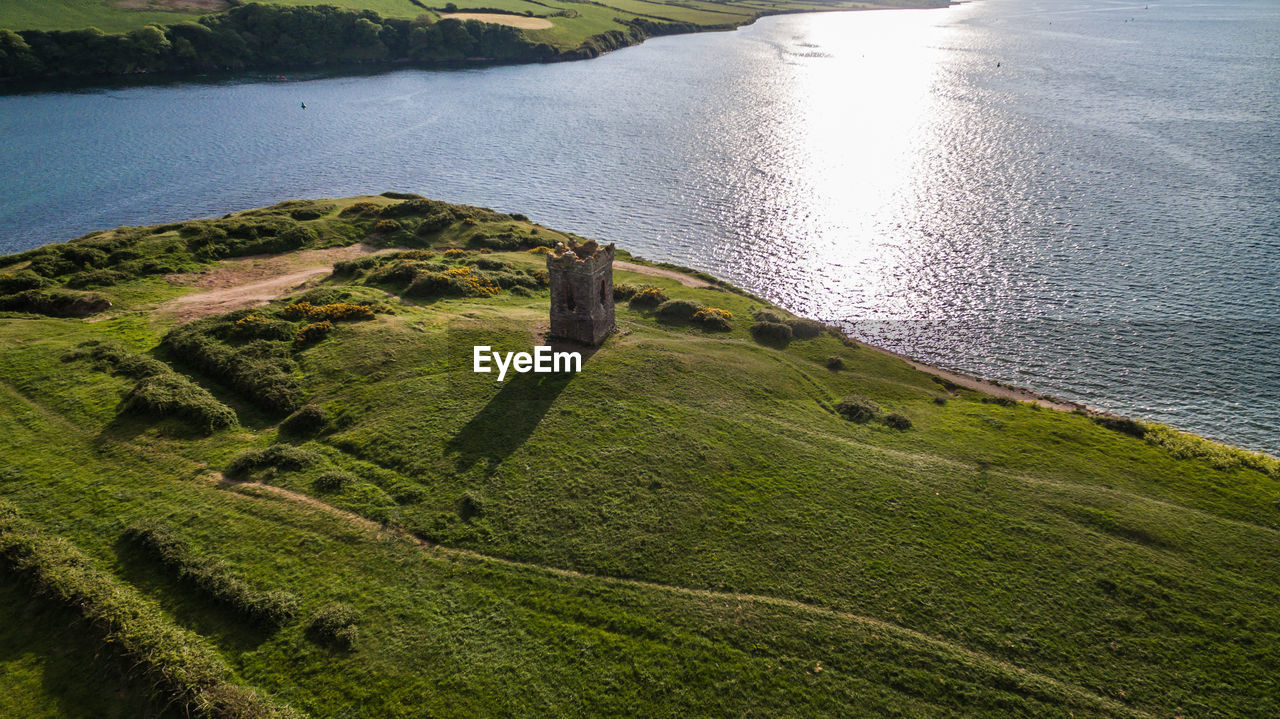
(692, 525)
(573, 21)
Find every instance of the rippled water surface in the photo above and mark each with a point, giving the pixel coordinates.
(1081, 197)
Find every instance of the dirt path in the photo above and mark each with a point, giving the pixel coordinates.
(682, 278)
(253, 281)
(900, 632)
(981, 385)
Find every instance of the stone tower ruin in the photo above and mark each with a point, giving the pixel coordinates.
(581, 291)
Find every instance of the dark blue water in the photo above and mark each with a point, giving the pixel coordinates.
(1081, 197)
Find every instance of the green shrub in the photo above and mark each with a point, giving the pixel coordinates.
(521, 292)
(261, 327)
(55, 302)
(622, 291)
(169, 394)
(311, 213)
(1123, 425)
(835, 363)
(11, 282)
(678, 310)
(857, 408)
(310, 419)
(897, 421)
(113, 357)
(333, 481)
(261, 371)
(212, 576)
(184, 667)
(335, 624)
(97, 278)
(772, 333)
(278, 456)
(805, 329)
(1002, 401)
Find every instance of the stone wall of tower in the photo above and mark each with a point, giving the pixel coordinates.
(581, 292)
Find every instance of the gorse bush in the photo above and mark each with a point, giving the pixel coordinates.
(835, 363)
(647, 296)
(212, 576)
(336, 312)
(857, 408)
(335, 625)
(454, 282)
(183, 667)
(713, 319)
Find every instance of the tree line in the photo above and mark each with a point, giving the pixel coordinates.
(257, 36)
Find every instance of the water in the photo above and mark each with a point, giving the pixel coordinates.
(1080, 197)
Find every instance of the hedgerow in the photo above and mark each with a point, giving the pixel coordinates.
(181, 665)
(212, 576)
(261, 371)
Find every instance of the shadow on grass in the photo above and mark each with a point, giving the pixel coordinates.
(511, 416)
(77, 674)
(189, 608)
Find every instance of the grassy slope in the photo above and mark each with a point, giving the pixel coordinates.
(569, 32)
(924, 571)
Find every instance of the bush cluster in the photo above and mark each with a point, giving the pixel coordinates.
(183, 667)
(335, 624)
(212, 576)
(713, 318)
(160, 391)
(55, 302)
(857, 408)
(261, 327)
(333, 481)
(454, 282)
(171, 395)
(774, 333)
(835, 363)
(277, 456)
(11, 282)
(647, 296)
(309, 420)
(262, 371)
(897, 421)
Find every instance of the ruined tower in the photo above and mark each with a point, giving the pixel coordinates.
(581, 291)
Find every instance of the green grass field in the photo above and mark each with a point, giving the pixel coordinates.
(685, 528)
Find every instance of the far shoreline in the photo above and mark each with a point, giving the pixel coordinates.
(595, 46)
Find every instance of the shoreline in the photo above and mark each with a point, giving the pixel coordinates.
(629, 33)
